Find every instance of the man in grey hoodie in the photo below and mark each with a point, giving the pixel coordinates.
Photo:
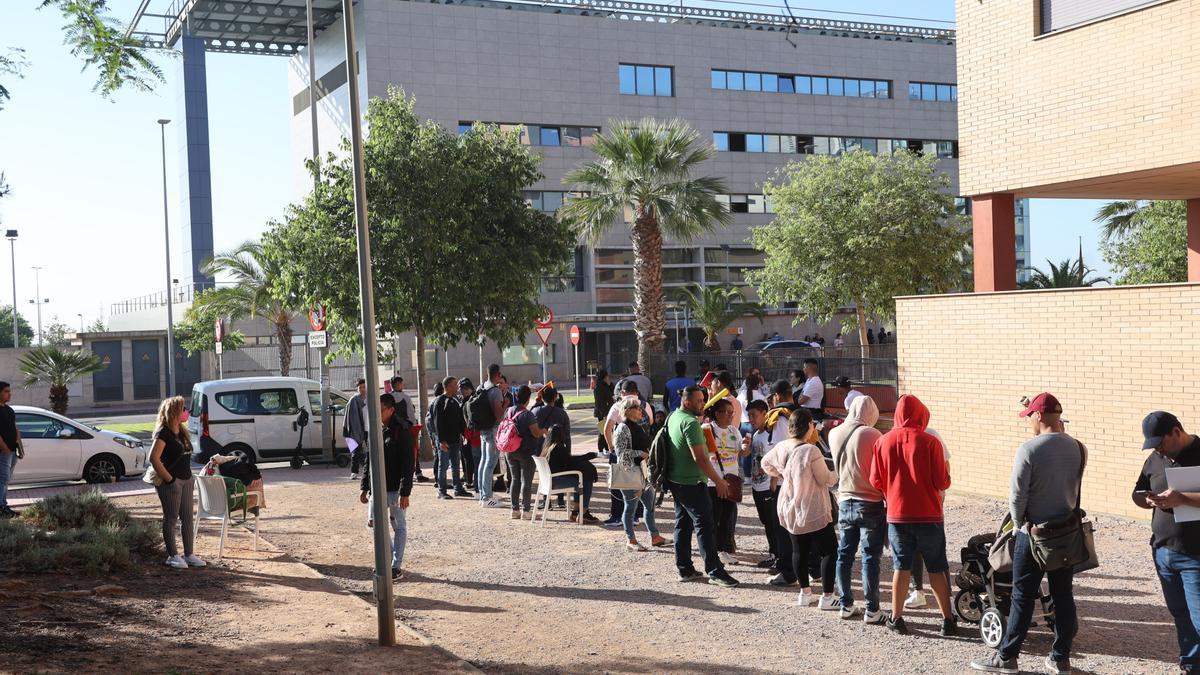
(862, 516)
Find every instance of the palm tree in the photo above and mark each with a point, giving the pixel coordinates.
(1118, 218)
(1068, 274)
(645, 168)
(715, 307)
(58, 368)
(252, 293)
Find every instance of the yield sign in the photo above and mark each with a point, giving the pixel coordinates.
(543, 333)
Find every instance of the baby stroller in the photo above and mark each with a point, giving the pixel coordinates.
(985, 595)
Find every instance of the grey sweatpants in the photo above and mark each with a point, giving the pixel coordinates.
(176, 499)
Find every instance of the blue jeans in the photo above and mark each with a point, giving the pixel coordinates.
(448, 457)
(7, 461)
(1179, 574)
(694, 513)
(927, 539)
(488, 456)
(399, 518)
(1026, 589)
(631, 501)
(865, 522)
(573, 481)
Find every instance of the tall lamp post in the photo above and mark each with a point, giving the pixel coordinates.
(12, 246)
(38, 299)
(80, 315)
(162, 126)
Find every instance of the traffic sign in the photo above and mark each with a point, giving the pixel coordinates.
(219, 328)
(219, 347)
(316, 318)
(574, 335)
(543, 333)
(318, 339)
(547, 319)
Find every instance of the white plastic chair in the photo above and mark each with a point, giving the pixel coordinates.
(213, 504)
(546, 489)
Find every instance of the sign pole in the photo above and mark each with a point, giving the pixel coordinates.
(577, 369)
(543, 350)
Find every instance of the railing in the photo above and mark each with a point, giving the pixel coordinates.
(180, 294)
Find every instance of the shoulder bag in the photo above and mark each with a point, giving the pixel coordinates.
(1067, 542)
(734, 480)
(622, 477)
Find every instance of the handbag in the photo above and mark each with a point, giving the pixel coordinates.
(1066, 542)
(151, 476)
(734, 481)
(621, 477)
(1000, 555)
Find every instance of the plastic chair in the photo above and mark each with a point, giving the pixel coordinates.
(546, 489)
(217, 497)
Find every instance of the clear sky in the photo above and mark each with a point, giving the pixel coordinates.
(86, 173)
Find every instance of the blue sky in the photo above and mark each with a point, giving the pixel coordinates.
(86, 173)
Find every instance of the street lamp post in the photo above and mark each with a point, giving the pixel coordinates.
(162, 125)
(12, 246)
(38, 299)
(80, 315)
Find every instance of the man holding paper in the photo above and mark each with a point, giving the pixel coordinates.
(1170, 484)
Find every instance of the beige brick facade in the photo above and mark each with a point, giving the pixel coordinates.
(1109, 354)
(1064, 113)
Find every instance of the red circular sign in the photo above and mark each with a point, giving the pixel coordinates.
(316, 318)
(547, 318)
(219, 329)
(574, 335)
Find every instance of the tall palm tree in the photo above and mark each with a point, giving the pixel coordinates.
(1068, 274)
(715, 307)
(57, 368)
(252, 294)
(1119, 217)
(645, 168)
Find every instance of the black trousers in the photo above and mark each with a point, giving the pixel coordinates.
(824, 543)
(764, 502)
(725, 519)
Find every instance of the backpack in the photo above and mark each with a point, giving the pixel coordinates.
(660, 458)
(480, 415)
(508, 437)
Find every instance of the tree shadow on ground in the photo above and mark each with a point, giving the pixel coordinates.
(633, 596)
(621, 665)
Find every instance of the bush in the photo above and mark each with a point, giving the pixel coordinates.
(74, 533)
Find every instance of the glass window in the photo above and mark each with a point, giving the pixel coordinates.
(721, 141)
(737, 142)
(677, 256)
(627, 75)
(572, 136)
(588, 135)
(787, 85)
(38, 426)
(549, 136)
(662, 81)
(953, 92)
(866, 88)
(835, 86)
(718, 79)
(943, 92)
(463, 128)
(945, 149)
(734, 81)
(754, 143)
(837, 145)
(883, 89)
(552, 201)
(723, 200)
(614, 276)
(522, 355)
(914, 91)
(756, 204)
(928, 92)
(614, 295)
(820, 86)
(679, 275)
(770, 82)
(869, 145)
(772, 143)
(820, 145)
(260, 402)
(851, 88)
(803, 84)
(787, 145)
(534, 199)
(753, 82)
(645, 80)
(739, 204)
(614, 256)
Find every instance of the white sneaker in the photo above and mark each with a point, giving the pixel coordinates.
(194, 560)
(877, 617)
(727, 558)
(177, 562)
(916, 600)
(806, 597)
(353, 476)
(829, 602)
(851, 612)
(493, 504)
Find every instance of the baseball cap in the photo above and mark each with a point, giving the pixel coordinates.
(1155, 426)
(1042, 403)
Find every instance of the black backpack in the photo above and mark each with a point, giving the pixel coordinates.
(660, 458)
(480, 414)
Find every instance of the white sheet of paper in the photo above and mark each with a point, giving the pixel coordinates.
(1185, 479)
(351, 444)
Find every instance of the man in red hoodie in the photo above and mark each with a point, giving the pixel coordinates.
(910, 469)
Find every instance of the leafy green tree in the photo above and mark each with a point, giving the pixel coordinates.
(645, 168)
(57, 333)
(456, 252)
(24, 330)
(1153, 248)
(12, 64)
(713, 308)
(1067, 274)
(859, 229)
(253, 292)
(99, 40)
(97, 326)
(196, 333)
(1118, 218)
(58, 368)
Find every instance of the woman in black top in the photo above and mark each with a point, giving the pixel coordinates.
(520, 461)
(603, 396)
(171, 457)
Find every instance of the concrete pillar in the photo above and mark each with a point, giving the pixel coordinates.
(195, 230)
(995, 242)
(1193, 221)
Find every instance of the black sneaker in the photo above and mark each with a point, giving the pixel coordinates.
(443, 495)
(949, 627)
(7, 512)
(992, 663)
(397, 574)
(691, 575)
(462, 493)
(897, 625)
(589, 518)
(422, 478)
(1063, 666)
(722, 578)
(766, 563)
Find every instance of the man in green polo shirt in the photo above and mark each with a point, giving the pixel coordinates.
(687, 479)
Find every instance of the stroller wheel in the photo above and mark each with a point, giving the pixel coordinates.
(968, 606)
(991, 627)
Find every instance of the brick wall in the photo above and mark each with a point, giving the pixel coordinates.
(1115, 96)
(1109, 354)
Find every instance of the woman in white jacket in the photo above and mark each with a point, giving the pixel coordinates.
(803, 503)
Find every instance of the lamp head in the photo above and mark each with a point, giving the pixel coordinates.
(11, 234)
(164, 121)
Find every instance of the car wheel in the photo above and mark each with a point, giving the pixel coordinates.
(242, 452)
(103, 469)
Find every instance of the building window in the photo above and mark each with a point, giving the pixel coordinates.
(932, 91)
(737, 80)
(734, 141)
(526, 355)
(550, 136)
(738, 203)
(541, 134)
(643, 80)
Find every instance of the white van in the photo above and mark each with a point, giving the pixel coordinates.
(256, 417)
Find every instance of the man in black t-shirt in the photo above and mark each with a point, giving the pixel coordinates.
(1176, 545)
(10, 440)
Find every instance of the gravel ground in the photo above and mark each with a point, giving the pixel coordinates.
(514, 598)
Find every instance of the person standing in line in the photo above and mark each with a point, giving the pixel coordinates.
(10, 444)
(723, 381)
(862, 516)
(1175, 546)
(796, 380)
(355, 427)
(775, 428)
(402, 399)
(737, 345)
(449, 423)
(725, 450)
(686, 472)
(520, 461)
(1047, 479)
(171, 457)
(470, 446)
(909, 468)
(812, 392)
(751, 390)
(398, 461)
(489, 454)
(762, 490)
(916, 589)
(633, 448)
(645, 387)
(673, 396)
(602, 397)
(616, 415)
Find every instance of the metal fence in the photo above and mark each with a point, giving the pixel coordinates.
(257, 361)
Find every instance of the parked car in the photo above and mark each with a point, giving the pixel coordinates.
(58, 448)
(777, 345)
(256, 418)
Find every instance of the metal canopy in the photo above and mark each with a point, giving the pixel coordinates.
(236, 26)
